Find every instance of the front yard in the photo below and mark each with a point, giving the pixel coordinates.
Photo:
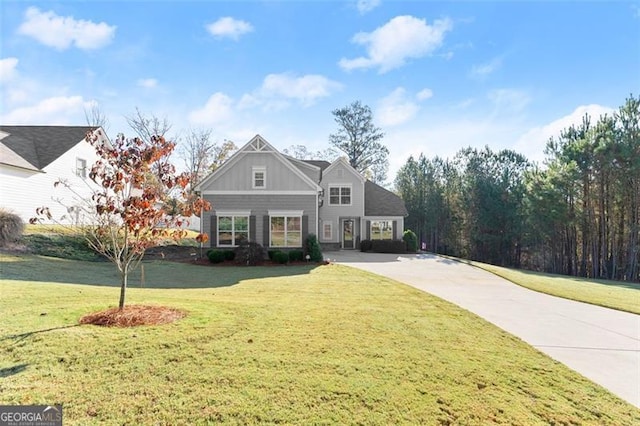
(277, 344)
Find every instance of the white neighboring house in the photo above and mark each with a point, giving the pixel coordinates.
(33, 158)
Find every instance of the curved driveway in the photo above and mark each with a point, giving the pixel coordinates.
(601, 344)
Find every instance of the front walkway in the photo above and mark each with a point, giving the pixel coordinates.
(601, 344)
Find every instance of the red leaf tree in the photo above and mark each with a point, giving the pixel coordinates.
(134, 180)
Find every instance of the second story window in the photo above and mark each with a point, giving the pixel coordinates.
(259, 178)
(81, 167)
(340, 195)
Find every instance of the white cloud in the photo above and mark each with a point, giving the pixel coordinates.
(533, 142)
(63, 31)
(402, 38)
(365, 6)
(148, 83)
(218, 109)
(509, 100)
(229, 27)
(8, 69)
(483, 70)
(424, 94)
(306, 89)
(55, 110)
(395, 109)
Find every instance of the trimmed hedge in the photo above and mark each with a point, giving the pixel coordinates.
(365, 245)
(296, 255)
(411, 240)
(383, 246)
(312, 248)
(216, 256)
(281, 257)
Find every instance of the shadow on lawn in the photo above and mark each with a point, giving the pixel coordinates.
(10, 371)
(157, 274)
(20, 337)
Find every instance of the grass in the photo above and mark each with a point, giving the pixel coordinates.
(620, 295)
(296, 345)
(67, 242)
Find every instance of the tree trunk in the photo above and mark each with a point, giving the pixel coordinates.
(123, 287)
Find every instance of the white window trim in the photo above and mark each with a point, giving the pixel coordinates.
(341, 185)
(324, 235)
(262, 170)
(83, 175)
(233, 227)
(379, 220)
(286, 215)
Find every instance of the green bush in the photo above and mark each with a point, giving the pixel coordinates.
(312, 248)
(250, 253)
(388, 246)
(296, 255)
(229, 255)
(411, 240)
(365, 245)
(11, 227)
(216, 256)
(270, 253)
(281, 257)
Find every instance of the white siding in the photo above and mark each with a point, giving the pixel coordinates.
(22, 191)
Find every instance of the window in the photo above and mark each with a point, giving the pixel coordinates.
(340, 195)
(286, 231)
(81, 167)
(381, 229)
(327, 231)
(259, 178)
(232, 230)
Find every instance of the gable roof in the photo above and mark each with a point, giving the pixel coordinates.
(35, 147)
(322, 164)
(345, 163)
(379, 201)
(256, 144)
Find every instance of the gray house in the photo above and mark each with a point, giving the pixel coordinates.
(276, 200)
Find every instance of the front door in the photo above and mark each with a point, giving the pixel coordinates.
(348, 237)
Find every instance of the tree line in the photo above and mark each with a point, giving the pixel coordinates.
(577, 214)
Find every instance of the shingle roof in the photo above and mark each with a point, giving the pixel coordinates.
(39, 146)
(382, 202)
(318, 163)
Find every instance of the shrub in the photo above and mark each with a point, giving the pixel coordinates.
(216, 256)
(388, 246)
(281, 257)
(249, 253)
(270, 253)
(229, 255)
(313, 249)
(365, 245)
(296, 255)
(411, 240)
(11, 227)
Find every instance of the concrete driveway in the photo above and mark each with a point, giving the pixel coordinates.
(599, 343)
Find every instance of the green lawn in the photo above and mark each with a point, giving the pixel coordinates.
(295, 345)
(620, 295)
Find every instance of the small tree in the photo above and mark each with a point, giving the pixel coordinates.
(411, 240)
(129, 211)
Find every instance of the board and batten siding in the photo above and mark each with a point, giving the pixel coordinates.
(340, 175)
(23, 191)
(259, 205)
(239, 177)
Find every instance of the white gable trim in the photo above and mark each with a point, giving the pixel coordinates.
(346, 164)
(256, 145)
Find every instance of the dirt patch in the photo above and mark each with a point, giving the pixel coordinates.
(133, 316)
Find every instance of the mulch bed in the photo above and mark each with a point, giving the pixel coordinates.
(133, 316)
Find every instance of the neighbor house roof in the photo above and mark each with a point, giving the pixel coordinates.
(322, 164)
(379, 201)
(35, 147)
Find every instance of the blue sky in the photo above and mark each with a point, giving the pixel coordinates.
(439, 76)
